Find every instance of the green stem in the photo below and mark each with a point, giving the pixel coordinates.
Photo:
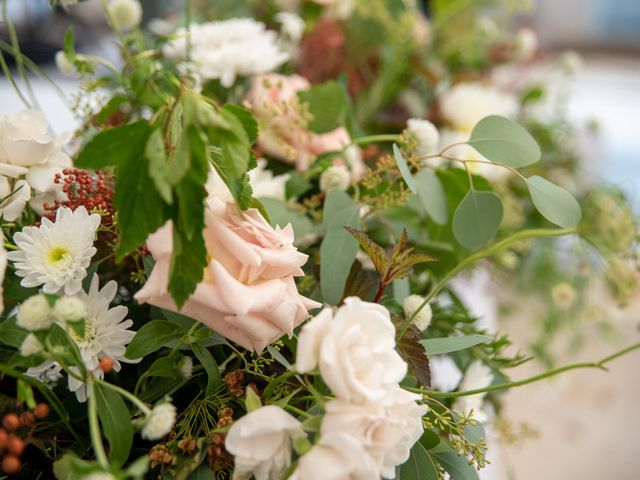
(550, 373)
(374, 138)
(484, 253)
(117, 31)
(129, 396)
(16, 46)
(187, 25)
(8, 74)
(94, 427)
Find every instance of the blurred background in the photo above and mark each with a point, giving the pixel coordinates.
(603, 101)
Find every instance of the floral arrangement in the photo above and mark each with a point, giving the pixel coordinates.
(234, 270)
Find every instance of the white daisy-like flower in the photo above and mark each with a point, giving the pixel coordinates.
(56, 255)
(159, 422)
(226, 49)
(423, 318)
(30, 346)
(106, 334)
(34, 313)
(70, 309)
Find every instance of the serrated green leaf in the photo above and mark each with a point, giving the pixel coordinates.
(504, 141)
(337, 253)
(432, 196)
(206, 359)
(151, 337)
(404, 169)
(116, 146)
(158, 169)
(327, 104)
(376, 253)
(414, 354)
(116, 423)
(438, 346)
(248, 121)
(554, 203)
(477, 218)
(188, 261)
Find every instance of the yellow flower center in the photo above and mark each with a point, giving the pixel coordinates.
(58, 254)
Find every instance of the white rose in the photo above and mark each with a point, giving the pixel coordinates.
(477, 376)
(16, 194)
(335, 177)
(387, 431)
(425, 133)
(261, 443)
(354, 350)
(24, 142)
(126, 14)
(336, 456)
(34, 313)
(423, 319)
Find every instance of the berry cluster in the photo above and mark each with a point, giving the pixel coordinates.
(11, 444)
(83, 188)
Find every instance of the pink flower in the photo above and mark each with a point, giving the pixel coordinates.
(248, 293)
(283, 124)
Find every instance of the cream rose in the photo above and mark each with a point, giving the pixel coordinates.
(248, 293)
(283, 125)
(354, 350)
(336, 456)
(261, 443)
(386, 430)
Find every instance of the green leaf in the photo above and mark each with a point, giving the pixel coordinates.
(337, 253)
(165, 366)
(503, 141)
(188, 261)
(296, 185)
(335, 202)
(246, 118)
(328, 105)
(420, 466)
(203, 472)
(11, 334)
(151, 337)
(115, 146)
(438, 346)
(380, 258)
(554, 203)
(138, 468)
(432, 196)
(414, 354)
(477, 218)
(116, 423)
(458, 467)
(206, 359)
(158, 170)
(404, 169)
(68, 45)
(429, 439)
(281, 214)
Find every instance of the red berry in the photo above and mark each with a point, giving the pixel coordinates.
(11, 464)
(11, 421)
(15, 445)
(41, 410)
(27, 419)
(106, 364)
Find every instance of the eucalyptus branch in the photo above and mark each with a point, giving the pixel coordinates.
(94, 427)
(549, 373)
(484, 253)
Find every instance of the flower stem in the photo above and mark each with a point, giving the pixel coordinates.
(549, 373)
(484, 253)
(129, 396)
(375, 138)
(94, 427)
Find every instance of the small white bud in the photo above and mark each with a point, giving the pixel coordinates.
(563, 295)
(526, 43)
(335, 177)
(425, 133)
(34, 313)
(423, 318)
(571, 62)
(30, 346)
(70, 309)
(186, 367)
(126, 14)
(64, 64)
(159, 422)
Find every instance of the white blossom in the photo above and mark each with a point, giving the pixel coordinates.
(30, 346)
(425, 133)
(423, 319)
(563, 295)
(335, 177)
(186, 367)
(292, 25)
(126, 14)
(69, 309)
(34, 313)
(264, 183)
(64, 64)
(159, 422)
(526, 43)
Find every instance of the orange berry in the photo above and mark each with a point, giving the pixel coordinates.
(11, 421)
(15, 445)
(41, 410)
(27, 419)
(106, 364)
(4, 436)
(11, 464)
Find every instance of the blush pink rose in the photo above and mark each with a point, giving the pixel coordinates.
(248, 293)
(283, 125)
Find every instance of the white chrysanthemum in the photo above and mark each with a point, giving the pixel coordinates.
(226, 49)
(56, 255)
(423, 319)
(16, 195)
(69, 309)
(65, 66)
(186, 367)
(477, 376)
(126, 14)
(265, 184)
(34, 313)
(425, 133)
(30, 346)
(563, 295)
(292, 25)
(335, 177)
(106, 334)
(465, 104)
(159, 422)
